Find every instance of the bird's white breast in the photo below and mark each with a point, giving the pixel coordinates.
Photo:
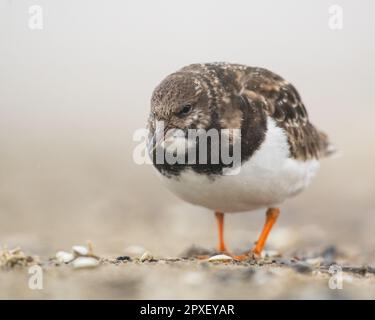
(266, 179)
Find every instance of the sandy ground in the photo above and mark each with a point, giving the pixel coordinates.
(301, 277)
(48, 209)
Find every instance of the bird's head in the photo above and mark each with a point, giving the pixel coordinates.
(181, 102)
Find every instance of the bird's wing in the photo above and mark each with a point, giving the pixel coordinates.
(282, 102)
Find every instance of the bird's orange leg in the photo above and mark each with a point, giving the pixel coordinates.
(271, 216)
(220, 228)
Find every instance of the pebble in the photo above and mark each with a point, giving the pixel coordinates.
(85, 262)
(80, 250)
(123, 258)
(146, 257)
(64, 257)
(220, 258)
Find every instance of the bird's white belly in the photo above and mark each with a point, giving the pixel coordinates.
(267, 179)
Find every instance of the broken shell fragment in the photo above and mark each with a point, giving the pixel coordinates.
(64, 257)
(146, 257)
(80, 250)
(220, 258)
(85, 262)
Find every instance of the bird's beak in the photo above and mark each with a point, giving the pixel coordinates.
(160, 135)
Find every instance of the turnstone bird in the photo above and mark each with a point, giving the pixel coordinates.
(279, 147)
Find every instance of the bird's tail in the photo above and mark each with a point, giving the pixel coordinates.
(327, 148)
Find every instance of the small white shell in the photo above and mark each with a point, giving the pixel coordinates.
(80, 250)
(64, 257)
(220, 257)
(146, 256)
(85, 262)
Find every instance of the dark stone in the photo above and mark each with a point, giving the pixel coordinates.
(123, 258)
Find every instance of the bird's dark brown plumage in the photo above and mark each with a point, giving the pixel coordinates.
(237, 96)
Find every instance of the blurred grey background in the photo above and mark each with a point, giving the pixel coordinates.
(72, 94)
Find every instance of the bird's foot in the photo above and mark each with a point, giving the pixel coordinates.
(244, 257)
(249, 255)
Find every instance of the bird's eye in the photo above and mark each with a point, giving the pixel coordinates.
(185, 109)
